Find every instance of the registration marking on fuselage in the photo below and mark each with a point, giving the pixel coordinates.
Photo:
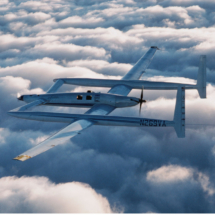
(153, 122)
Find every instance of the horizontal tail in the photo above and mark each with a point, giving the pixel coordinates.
(201, 79)
(179, 116)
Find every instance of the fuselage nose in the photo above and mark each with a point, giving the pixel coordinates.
(20, 98)
(134, 101)
(124, 101)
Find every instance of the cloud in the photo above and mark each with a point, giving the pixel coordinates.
(103, 67)
(168, 174)
(39, 195)
(77, 21)
(36, 6)
(3, 2)
(11, 86)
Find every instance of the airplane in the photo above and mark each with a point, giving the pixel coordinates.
(103, 104)
(86, 100)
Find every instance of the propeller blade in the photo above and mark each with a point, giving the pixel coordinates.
(141, 100)
(141, 96)
(140, 108)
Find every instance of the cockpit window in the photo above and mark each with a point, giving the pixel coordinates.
(88, 97)
(79, 97)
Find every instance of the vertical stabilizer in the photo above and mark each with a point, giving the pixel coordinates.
(179, 116)
(201, 79)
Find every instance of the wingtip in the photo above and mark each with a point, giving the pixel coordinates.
(22, 157)
(155, 47)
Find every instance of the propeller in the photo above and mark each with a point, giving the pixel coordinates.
(140, 100)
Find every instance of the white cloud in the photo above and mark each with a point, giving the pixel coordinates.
(206, 184)
(8, 41)
(171, 173)
(77, 20)
(3, 2)
(68, 51)
(195, 8)
(103, 67)
(174, 174)
(39, 195)
(13, 85)
(36, 5)
(47, 69)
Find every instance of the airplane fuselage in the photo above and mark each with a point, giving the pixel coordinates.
(83, 100)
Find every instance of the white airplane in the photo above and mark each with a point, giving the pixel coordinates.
(103, 104)
(113, 98)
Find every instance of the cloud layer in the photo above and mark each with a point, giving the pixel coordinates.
(109, 169)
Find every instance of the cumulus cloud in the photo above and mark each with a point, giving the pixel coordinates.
(168, 174)
(134, 169)
(39, 195)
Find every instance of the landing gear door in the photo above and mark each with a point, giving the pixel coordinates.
(97, 98)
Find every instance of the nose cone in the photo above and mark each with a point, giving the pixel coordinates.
(19, 114)
(20, 98)
(136, 100)
(13, 113)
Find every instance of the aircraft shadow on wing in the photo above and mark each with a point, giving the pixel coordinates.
(101, 104)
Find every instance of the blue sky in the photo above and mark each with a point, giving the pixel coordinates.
(107, 169)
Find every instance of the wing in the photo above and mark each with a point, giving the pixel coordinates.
(30, 105)
(99, 109)
(60, 137)
(142, 64)
(135, 73)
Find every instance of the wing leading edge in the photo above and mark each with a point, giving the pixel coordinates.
(99, 109)
(60, 137)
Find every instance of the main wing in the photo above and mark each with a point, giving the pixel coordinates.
(135, 73)
(98, 109)
(60, 137)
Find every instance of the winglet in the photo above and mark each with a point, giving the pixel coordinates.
(155, 47)
(22, 157)
(179, 116)
(201, 79)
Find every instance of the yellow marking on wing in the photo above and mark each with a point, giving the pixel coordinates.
(22, 157)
